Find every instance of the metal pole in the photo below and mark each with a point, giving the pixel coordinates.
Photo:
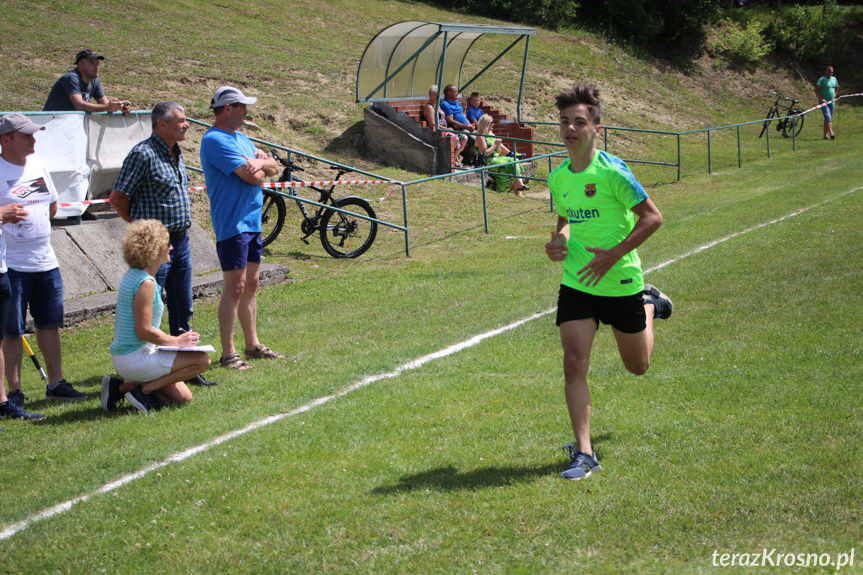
(709, 164)
(405, 212)
(793, 133)
(768, 137)
(739, 157)
(484, 203)
(521, 83)
(678, 157)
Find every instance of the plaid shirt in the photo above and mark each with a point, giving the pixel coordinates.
(157, 184)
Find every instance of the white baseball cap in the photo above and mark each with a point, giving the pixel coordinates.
(230, 95)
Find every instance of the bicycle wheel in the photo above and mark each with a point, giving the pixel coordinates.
(347, 236)
(770, 114)
(272, 217)
(793, 125)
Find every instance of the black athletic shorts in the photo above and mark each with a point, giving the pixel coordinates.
(624, 313)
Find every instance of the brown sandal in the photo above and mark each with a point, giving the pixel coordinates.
(234, 361)
(261, 351)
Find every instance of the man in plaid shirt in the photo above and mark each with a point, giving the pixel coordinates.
(153, 184)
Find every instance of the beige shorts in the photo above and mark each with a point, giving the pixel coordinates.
(144, 364)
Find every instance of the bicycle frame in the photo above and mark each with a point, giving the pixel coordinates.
(326, 197)
(340, 222)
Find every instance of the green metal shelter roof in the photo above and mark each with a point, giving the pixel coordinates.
(403, 60)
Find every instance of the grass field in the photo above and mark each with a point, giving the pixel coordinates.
(392, 439)
(742, 436)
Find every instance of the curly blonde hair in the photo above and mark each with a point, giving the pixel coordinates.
(143, 241)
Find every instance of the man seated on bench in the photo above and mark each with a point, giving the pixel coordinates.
(438, 120)
(455, 117)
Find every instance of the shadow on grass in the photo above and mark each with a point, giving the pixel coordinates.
(449, 478)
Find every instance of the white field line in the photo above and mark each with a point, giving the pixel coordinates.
(15, 528)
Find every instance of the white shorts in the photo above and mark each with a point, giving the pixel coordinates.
(144, 364)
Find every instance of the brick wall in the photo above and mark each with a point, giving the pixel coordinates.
(503, 126)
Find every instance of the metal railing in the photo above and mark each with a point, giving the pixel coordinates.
(678, 135)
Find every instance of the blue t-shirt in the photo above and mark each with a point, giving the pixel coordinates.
(125, 337)
(453, 109)
(474, 113)
(68, 84)
(235, 205)
(598, 204)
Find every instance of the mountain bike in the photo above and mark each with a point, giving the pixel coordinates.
(787, 126)
(342, 235)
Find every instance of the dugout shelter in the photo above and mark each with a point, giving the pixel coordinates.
(397, 68)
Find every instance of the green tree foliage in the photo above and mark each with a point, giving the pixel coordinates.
(554, 14)
(670, 29)
(741, 44)
(806, 32)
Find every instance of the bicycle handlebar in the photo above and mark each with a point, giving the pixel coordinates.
(295, 168)
(286, 163)
(784, 97)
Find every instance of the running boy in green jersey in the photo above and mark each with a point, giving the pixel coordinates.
(603, 215)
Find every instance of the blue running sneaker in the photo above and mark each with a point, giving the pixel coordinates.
(17, 397)
(13, 411)
(582, 464)
(63, 391)
(662, 306)
(111, 395)
(141, 401)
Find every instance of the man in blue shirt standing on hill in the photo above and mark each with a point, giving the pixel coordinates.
(827, 89)
(235, 169)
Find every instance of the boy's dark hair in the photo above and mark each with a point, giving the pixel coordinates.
(580, 93)
(474, 94)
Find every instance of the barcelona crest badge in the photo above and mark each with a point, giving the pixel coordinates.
(590, 190)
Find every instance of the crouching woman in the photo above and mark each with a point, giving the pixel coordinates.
(150, 376)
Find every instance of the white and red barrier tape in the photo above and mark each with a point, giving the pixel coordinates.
(264, 185)
(819, 106)
(84, 203)
(299, 184)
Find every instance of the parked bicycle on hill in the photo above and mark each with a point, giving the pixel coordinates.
(342, 235)
(787, 126)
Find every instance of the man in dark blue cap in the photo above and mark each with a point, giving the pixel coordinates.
(80, 89)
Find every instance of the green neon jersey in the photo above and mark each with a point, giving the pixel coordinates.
(598, 204)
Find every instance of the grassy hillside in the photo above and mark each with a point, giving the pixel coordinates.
(301, 57)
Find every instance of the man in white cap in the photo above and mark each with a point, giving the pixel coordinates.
(234, 170)
(81, 90)
(34, 272)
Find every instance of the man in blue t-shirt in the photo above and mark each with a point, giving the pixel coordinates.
(80, 89)
(234, 170)
(453, 110)
(455, 117)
